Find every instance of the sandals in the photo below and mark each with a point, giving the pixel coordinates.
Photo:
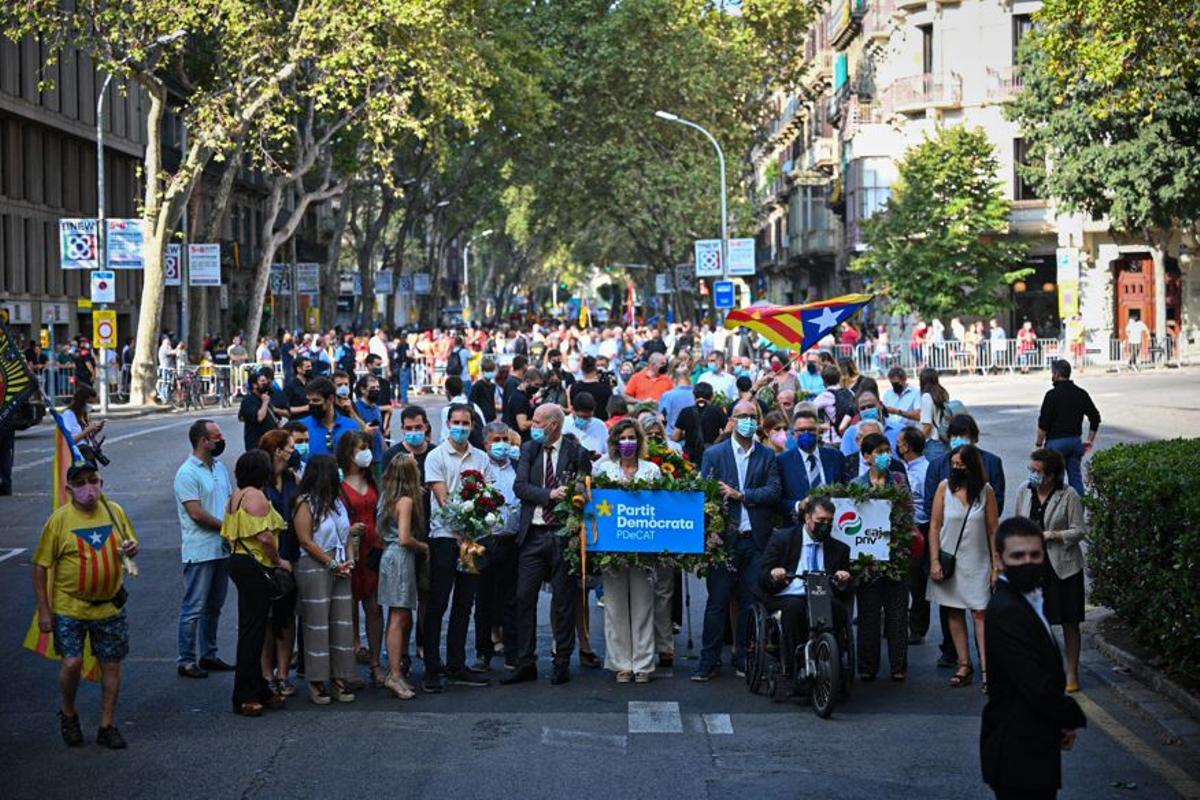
(362, 655)
(898, 676)
(378, 676)
(963, 676)
(318, 694)
(250, 709)
(405, 665)
(589, 659)
(399, 688)
(341, 691)
(624, 676)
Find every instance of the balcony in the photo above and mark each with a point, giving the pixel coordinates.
(844, 22)
(820, 70)
(819, 156)
(1004, 84)
(788, 121)
(930, 90)
(877, 22)
(860, 112)
(910, 5)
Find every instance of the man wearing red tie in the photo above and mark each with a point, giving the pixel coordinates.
(548, 465)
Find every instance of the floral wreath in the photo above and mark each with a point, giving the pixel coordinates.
(904, 544)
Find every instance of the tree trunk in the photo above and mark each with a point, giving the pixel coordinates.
(329, 273)
(211, 234)
(1158, 251)
(150, 310)
(262, 270)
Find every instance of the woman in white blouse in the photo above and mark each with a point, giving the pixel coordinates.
(628, 591)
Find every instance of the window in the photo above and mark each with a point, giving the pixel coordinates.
(926, 48)
(869, 187)
(1022, 189)
(1022, 25)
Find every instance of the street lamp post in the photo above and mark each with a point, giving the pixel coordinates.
(669, 117)
(101, 243)
(467, 274)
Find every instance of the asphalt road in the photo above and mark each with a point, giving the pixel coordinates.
(591, 738)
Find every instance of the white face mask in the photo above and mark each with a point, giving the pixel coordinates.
(343, 391)
(363, 458)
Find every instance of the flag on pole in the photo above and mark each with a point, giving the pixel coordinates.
(585, 315)
(16, 381)
(630, 304)
(797, 327)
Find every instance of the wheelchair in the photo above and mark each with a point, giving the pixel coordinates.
(821, 667)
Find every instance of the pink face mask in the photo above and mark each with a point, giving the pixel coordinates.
(87, 495)
(779, 439)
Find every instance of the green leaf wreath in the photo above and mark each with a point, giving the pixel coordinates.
(866, 568)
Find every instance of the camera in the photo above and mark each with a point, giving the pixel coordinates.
(93, 453)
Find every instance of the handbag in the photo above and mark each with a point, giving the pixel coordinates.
(280, 582)
(947, 558)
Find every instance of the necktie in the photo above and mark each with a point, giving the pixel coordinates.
(814, 474)
(812, 558)
(551, 483)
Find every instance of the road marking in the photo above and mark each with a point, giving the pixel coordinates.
(718, 724)
(583, 740)
(651, 717)
(15, 551)
(1016, 410)
(1179, 780)
(111, 441)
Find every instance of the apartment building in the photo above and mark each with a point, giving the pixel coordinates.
(899, 69)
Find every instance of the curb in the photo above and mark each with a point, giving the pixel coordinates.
(1165, 703)
(120, 412)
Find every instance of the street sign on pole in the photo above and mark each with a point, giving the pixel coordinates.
(383, 281)
(173, 265)
(422, 284)
(77, 244)
(663, 284)
(281, 280)
(708, 258)
(104, 329)
(104, 286)
(125, 243)
(204, 264)
(404, 284)
(308, 278)
(741, 257)
(723, 294)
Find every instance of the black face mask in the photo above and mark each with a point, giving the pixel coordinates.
(821, 531)
(316, 409)
(218, 448)
(898, 388)
(373, 396)
(294, 460)
(377, 370)
(1025, 577)
(812, 369)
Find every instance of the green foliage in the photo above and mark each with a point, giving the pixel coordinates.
(1144, 555)
(940, 245)
(1136, 160)
(904, 523)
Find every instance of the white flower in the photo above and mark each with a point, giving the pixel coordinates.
(468, 506)
(491, 519)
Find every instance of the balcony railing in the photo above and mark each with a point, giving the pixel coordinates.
(1004, 84)
(820, 69)
(877, 21)
(819, 155)
(844, 21)
(930, 90)
(788, 119)
(861, 112)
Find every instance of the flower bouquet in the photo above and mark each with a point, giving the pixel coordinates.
(669, 462)
(473, 512)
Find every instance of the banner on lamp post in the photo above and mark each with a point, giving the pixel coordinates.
(708, 258)
(741, 257)
(173, 265)
(383, 282)
(77, 244)
(204, 264)
(125, 244)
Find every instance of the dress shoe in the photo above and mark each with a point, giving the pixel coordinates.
(111, 738)
(191, 671)
(589, 659)
(520, 675)
(216, 665)
(561, 674)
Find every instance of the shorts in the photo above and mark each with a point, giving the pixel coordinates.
(110, 637)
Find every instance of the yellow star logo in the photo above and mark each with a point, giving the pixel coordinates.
(604, 509)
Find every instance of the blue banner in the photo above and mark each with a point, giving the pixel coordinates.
(648, 522)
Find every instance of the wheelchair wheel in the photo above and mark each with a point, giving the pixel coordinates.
(756, 648)
(827, 681)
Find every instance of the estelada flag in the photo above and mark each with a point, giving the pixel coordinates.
(16, 381)
(797, 327)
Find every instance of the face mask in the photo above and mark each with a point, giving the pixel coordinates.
(958, 441)
(883, 461)
(87, 495)
(537, 434)
(779, 439)
(821, 531)
(363, 458)
(743, 372)
(218, 448)
(746, 427)
(342, 391)
(581, 423)
(898, 388)
(414, 438)
(301, 450)
(295, 459)
(627, 449)
(1025, 577)
(373, 396)
(869, 414)
(316, 409)
(499, 451)
(489, 376)
(958, 473)
(812, 369)
(806, 441)
(459, 434)
(712, 367)
(777, 367)
(1035, 479)
(514, 452)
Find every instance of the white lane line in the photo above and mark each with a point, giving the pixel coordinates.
(583, 740)
(718, 724)
(1016, 410)
(14, 551)
(111, 441)
(651, 717)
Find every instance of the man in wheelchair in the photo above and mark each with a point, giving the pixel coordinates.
(801, 548)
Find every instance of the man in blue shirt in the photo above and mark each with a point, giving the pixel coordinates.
(202, 491)
(367, 406)
(811, 382)
(677, 399)
(325, 426)
(911, 449)
(870, 409)
(902, 401)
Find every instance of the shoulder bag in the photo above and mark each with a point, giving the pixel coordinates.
(947, 558)
(280, 583)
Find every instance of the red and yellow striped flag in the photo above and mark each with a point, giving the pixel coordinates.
(797, 327)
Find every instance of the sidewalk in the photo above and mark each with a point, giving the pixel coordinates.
(128, 411)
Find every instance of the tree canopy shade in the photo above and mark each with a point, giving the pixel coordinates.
(940, 245)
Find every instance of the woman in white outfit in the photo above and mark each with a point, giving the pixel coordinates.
(963, 525)
(628, 591)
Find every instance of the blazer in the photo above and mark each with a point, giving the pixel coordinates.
(784, 549)
(529, 486)
(939, 470)
(793, 475)
(1064, 514)
(1027, 703)
(762, 489)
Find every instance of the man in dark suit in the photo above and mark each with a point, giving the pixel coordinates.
(804, 547)
(548, 464)
(808, 465)
(962, 430)
(749, 480)
(1029, 718)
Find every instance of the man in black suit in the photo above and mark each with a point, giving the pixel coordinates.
(548, 464)
(808, 546)
(962, 429)
(1029, 718)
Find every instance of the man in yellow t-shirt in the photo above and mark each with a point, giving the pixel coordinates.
(86, 543)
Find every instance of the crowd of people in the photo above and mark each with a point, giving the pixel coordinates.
(332, 529)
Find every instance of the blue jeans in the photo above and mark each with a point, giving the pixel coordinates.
(205, 584)
(405, 382)
(1071, 449)
(721, 583)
